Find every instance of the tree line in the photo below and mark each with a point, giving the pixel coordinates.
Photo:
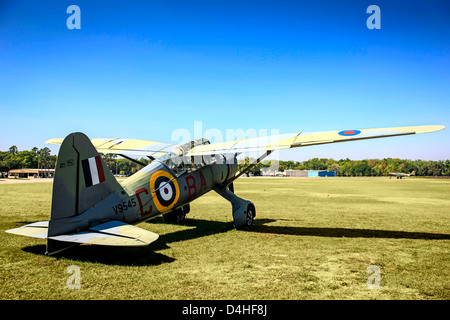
(33, 159)
(41, 158)
(343, 167)
(356, 168)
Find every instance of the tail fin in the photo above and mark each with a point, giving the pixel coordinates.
(81, 180)
(413, 173)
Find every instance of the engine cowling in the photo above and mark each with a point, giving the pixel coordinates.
(223, 171)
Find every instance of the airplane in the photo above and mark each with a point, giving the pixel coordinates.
(89, 206)
(400, 175)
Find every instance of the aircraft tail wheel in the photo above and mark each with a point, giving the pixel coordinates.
(250, 216)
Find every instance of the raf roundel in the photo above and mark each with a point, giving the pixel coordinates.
(349, 133)
(166, 190)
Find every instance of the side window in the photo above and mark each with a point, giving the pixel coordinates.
(175, 164)
(179, 164)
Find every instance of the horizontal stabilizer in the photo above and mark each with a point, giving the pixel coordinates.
(34, 230)
(112, 233)
(123, 230)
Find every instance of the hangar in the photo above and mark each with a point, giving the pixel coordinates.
(310, 173)
(27, 173)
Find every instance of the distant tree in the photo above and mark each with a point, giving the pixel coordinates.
(391, 167)
(446, 170)
(44, 158)
(316, 164)
(334, 167)
(362, 169)
(13, 150)
(346, 169)
(4, 165)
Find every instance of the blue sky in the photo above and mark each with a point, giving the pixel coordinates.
(141, 69)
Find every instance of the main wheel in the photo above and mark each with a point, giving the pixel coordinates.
(250, 216)
(177, 216)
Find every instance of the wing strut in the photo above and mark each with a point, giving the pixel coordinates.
(247, 169)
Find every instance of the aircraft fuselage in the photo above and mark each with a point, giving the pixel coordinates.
(156, 190)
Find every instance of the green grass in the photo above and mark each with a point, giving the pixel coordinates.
(312, 239)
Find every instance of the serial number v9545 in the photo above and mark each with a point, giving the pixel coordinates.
(124, 206)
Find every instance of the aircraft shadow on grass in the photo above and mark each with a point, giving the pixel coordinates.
(147, 256)
(260, 226)
(139, 256)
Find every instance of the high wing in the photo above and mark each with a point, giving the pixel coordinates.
(112, 233)
(134, 147)
(286, 141)
(131, 147)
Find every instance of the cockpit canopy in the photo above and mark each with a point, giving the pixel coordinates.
(177, 161)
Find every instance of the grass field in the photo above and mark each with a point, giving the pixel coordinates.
(313, 238)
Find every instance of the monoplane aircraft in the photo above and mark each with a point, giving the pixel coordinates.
(400, 175)
(89, 206)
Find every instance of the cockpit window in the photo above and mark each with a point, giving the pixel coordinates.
(177, 161)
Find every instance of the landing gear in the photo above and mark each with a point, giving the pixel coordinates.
(243, 210)
(177, 216)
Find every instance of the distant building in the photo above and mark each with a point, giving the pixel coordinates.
(27, 173)
(268, 172)
(310, 173)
